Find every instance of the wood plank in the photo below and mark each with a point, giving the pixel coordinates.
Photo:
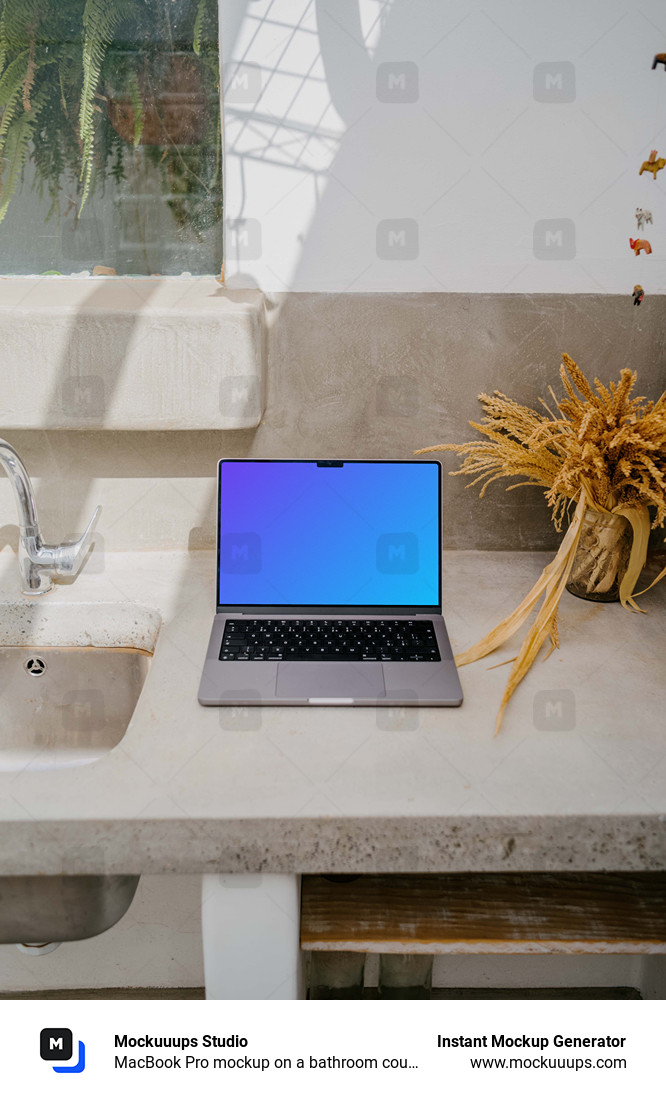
(486, 914)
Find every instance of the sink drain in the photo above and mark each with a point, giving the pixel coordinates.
(35, 666)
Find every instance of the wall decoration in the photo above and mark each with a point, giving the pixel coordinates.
(640, 245)
(653, 164)
(643, 217)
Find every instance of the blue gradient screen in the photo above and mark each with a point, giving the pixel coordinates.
(357, 534)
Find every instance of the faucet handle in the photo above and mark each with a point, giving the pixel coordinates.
(69, 556)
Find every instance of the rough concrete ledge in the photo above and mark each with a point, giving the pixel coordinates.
(130, 354)
(313, 846)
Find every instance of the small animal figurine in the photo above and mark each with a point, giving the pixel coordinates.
(659, 59)
(640, 245)
(638, 294)
(653, 164)
(643, 217)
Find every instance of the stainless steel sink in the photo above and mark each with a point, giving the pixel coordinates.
(60, 908)
(70, 679)
(65, 706)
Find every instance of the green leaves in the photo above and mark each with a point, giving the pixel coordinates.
(203, 33)
(12, 80)
(68, 68)
(29, 34)
(136, 99)
(100, 19)
(14, 135)
(15, 147)
(198, 27)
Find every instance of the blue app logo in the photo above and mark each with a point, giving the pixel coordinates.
(56, 1044)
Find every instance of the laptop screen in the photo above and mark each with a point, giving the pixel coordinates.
(329, 534)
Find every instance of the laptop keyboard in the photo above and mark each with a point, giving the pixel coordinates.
(329, 640)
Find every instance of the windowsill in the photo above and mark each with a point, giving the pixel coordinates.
(130, 353)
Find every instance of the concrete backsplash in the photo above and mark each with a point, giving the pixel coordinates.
(357, 376)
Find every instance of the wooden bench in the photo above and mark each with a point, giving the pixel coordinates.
(478, 914)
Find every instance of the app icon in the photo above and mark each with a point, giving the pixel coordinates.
(56, 1044)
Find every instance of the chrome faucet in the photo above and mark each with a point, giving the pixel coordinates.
(38, 562)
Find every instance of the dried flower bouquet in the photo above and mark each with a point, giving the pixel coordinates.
(602, 449)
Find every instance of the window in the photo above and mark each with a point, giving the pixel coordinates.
(110, 142)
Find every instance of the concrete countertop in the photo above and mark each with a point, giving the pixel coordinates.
(192, 789)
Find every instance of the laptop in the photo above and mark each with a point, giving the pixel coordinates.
(329, 586)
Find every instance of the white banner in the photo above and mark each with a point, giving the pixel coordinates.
(241, 1049)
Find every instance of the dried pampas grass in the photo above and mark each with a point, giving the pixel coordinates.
(598, 447)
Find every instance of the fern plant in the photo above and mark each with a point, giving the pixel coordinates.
(58, 60)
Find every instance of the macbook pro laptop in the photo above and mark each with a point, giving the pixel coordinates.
(329, 586)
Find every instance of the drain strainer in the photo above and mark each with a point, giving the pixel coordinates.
(35, 666)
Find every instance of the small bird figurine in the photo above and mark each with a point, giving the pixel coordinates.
(640, 245)
(638, 294)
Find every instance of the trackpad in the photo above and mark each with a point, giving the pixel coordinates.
(330, 680)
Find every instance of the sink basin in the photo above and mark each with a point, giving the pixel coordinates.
(61, 908)
(66, 706)
(70, 678)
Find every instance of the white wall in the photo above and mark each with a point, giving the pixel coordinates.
(516, 113)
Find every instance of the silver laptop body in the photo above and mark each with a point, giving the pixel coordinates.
(243, 678)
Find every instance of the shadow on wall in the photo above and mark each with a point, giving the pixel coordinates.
(297, 78)
(83, 388)
(359, 133)
(353, 374)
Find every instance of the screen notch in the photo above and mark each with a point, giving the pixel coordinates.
(331, 463)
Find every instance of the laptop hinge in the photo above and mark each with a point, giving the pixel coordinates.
(329, 612)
